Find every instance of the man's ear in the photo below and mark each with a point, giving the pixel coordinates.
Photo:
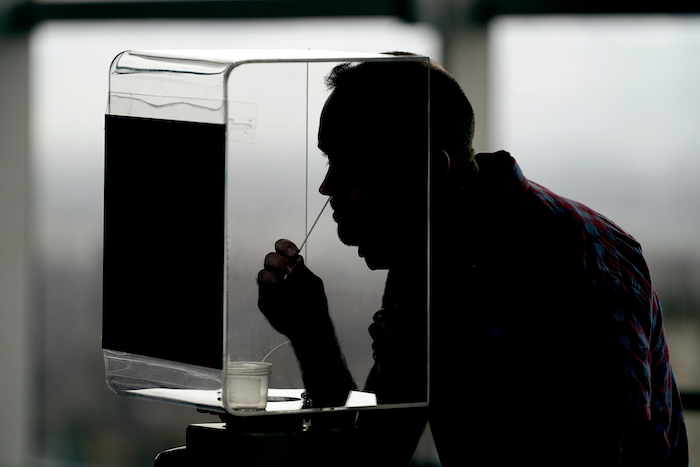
(440, 163)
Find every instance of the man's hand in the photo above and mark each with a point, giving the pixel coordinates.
(293, 300)
(399, 336)
(399, 342)
(291, 297)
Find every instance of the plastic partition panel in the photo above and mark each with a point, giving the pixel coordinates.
(274, 177)
(164, 244)
(267, 198)
(209, 161)
(163, 311)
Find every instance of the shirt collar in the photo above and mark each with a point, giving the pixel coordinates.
(503, 167)
(500, 175)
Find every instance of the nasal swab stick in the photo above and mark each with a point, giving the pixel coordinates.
(314, 224)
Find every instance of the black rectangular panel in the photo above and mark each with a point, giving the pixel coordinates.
(164, 239)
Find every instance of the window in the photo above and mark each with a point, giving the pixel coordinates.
(604, 110)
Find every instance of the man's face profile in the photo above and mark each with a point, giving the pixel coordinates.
(373, 201)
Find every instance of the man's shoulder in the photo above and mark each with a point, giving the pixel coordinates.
(589, 241)
(608, 250)
(605, 248)
(500, 171)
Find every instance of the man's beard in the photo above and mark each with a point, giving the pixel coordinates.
(373, 248)
(348, 234)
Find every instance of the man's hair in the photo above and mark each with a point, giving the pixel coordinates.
(402, 87)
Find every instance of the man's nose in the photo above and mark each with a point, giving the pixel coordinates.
(325, 187)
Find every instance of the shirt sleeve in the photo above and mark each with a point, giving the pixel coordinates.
(654, 407)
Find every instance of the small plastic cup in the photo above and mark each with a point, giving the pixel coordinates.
(247, 384)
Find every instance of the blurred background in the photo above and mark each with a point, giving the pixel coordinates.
(598, 103)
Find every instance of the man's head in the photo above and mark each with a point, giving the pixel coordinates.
(377, 129)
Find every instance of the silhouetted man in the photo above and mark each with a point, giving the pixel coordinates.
(546, 343)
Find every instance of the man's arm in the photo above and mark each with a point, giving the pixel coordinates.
(293, 300)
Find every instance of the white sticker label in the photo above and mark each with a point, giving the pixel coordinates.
(241, 121)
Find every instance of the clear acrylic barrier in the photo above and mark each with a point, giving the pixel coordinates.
(240, 133)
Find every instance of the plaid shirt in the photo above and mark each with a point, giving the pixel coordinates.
(614, 261)
(547, 310)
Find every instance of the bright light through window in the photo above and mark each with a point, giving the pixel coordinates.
(604, 110)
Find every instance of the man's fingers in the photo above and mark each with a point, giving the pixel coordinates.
(280, 264)
(276, 263)
(286, 248)
(266, 277)
(376, 332)
(381, 321)
(271, 293)
(285, 259)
